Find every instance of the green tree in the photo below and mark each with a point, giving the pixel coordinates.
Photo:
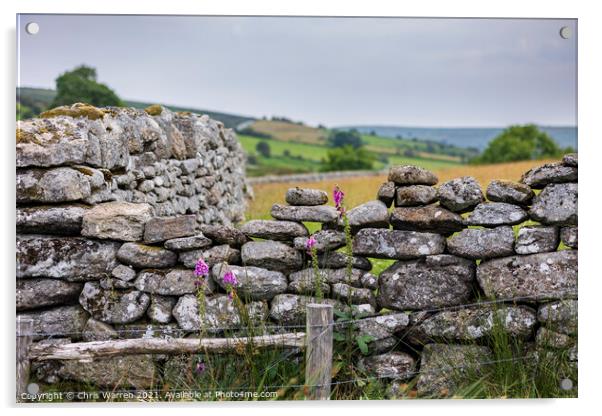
(24, 112)
(341, 138)
(519, 143)
(348, 158)
(263, 148)
(80, 85)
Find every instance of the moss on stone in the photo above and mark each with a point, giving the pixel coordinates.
(76, 110)
(154, 110)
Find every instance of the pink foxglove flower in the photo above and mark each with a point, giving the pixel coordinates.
(230, 279)
(311, 242)
(201, 269)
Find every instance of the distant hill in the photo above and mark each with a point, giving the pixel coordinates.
(38, 100)
(470, 137)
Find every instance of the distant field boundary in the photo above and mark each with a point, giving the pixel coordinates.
(314, 177)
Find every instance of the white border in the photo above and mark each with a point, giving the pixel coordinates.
(590, 136)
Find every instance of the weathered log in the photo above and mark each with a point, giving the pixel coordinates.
(86, 351)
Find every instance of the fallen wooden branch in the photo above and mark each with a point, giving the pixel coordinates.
(86, 351)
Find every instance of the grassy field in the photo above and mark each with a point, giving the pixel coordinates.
(291, 132)
(362, 189)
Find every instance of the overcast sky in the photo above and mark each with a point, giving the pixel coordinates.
(335, 71)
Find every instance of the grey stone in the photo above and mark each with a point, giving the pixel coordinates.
(541, 176)
(411, 175)
(153, 330)
(220, 312)
(110, 284)
(393, 244)
(546, 338)
(536, 239)
(54, 185)
(352, 294)
(160, 307)
(569, 236)
(509, 192)
(274, 230)
(254, 283)
(272, 255)
(188, 243)
(289, 309)
(37, 293)
(412, 195)
(326, 240)
(211, 256)
(432, 282)
(476, 322)
(444, 368)
(369, 281)
(136, 371)
(372, 214)
(306, 196)
(329, 276)
(116, 220)
(475, 243)
(431, 218)
(48, 219)
(166, 228)
(556, 205)
(223, 234)
(570, 159)
(395, 365)
(143, 256)
(492, 214)
(460, 194)
(124, 273)
(113, 306)
(168, 282)
(306, 284)
(536, 276)
(381, 330)
(71, 259)
(320, 213)
(98, 331)
(337, 260)
(61, 321)
(386, 193)
(561, 316)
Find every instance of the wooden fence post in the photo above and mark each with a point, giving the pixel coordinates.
(318, 362)
(24, 338)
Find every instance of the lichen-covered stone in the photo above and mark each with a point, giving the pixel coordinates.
(124, 273)
(536, 239)
(386, 193)
(475, 322)
(113, 306)
(289, 309)
(546, 338)
(220, 313)
(160, 308)
(211, 256)
(71, 259)
(54, 185)
(116, 220)
(381, 330)
(272, 255)
(352, 294)
(59, 322)
(98, 331)
(319, 213)
(460, 194)
(306, 196)
(168, 282)
(492, 214)
(411, 175)
(476, 243)
(136, 371)
(223, 234)
(330, 276)
(444, 367)
(432, 282)
(254, 283)
(61, 219)
(569, 236)
(509, 192)
(541, 176)
(37, 293)
(166, 228)
(570, 159)
(372, 214)
(143, 256)
(110, 284)
(412, 195)
(556, 205)
(326, 240)
(395, 365)
(394, 244)
(274, 230)
(431, 218)
(369, 281)
(188, 243)
(535, 276)
(337, 260)
(560, 316)
(306, 284)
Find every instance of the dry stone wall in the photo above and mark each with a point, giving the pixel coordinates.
(90, 267)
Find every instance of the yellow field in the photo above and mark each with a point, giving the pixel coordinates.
(289, 132)
(362, 189)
